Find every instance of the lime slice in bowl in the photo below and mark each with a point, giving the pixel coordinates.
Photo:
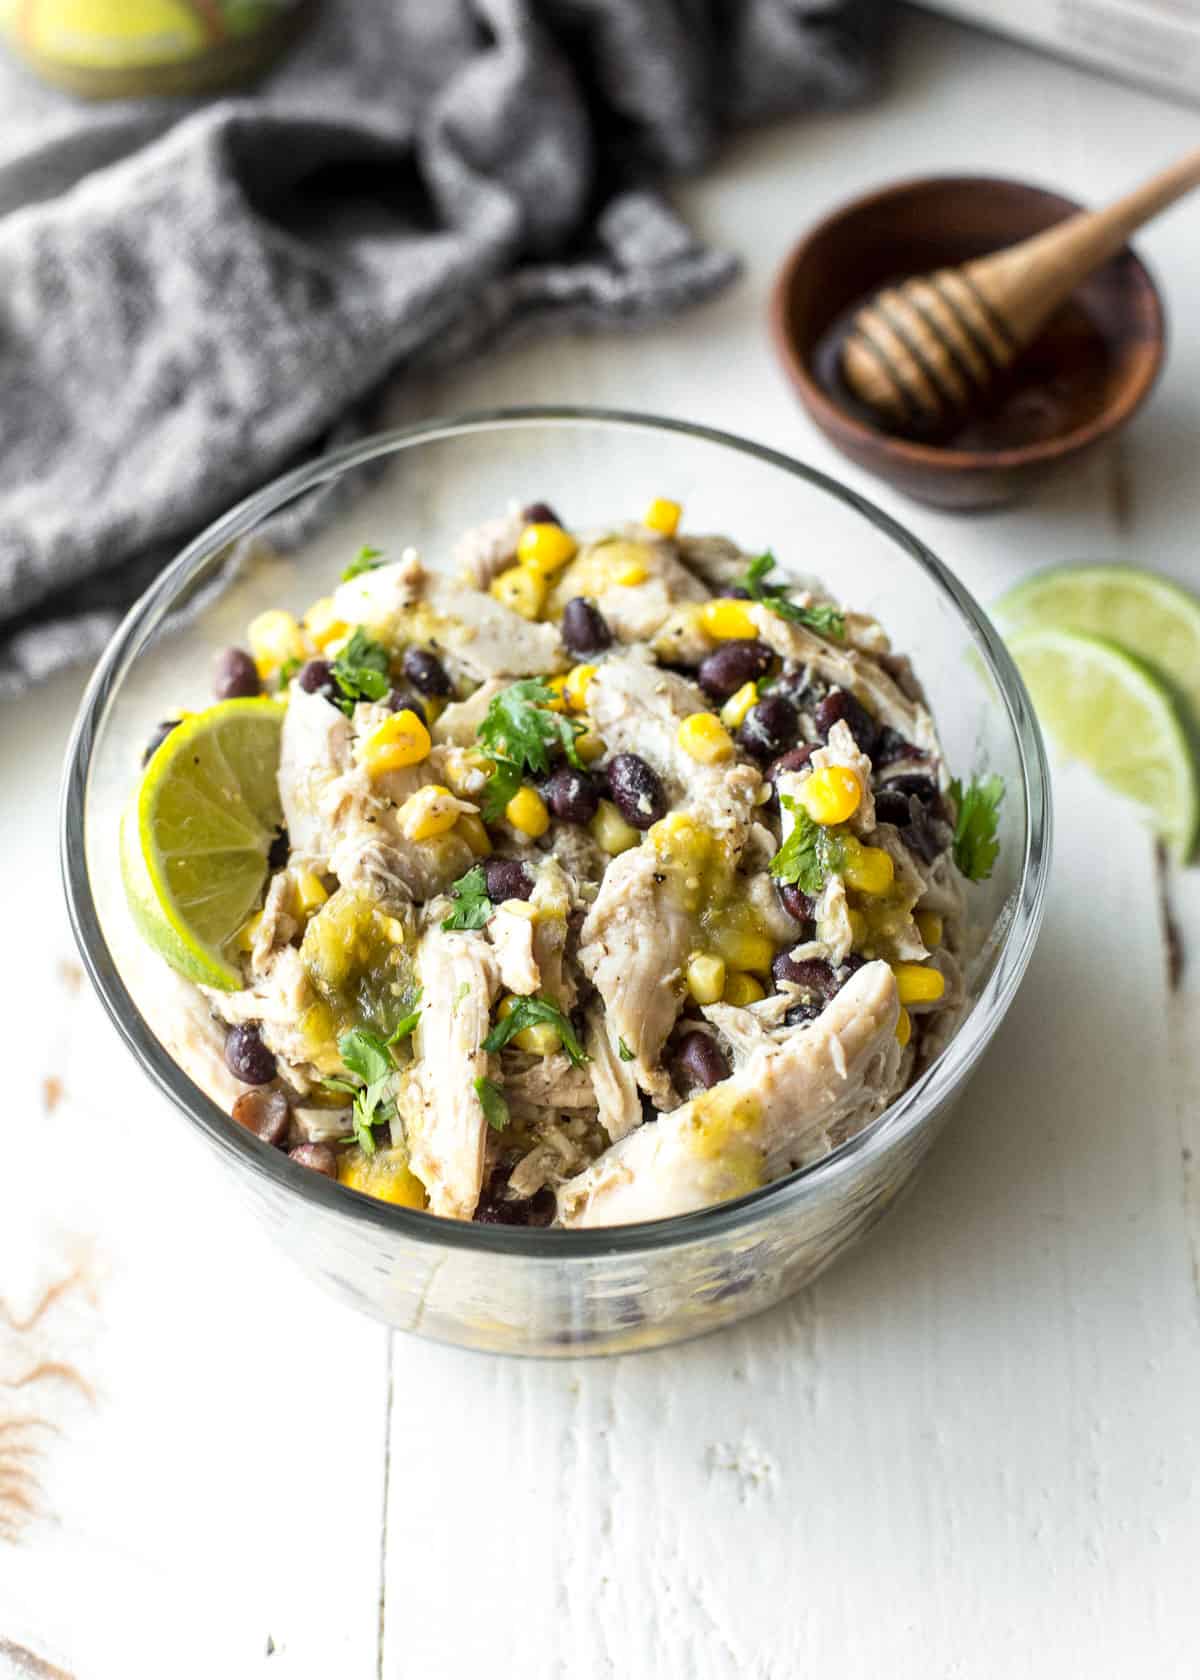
(1152, 617)
(1111, 710)
(196, 834)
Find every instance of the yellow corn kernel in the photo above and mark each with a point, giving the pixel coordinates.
(520, 590)
(545, 549)
(430, 811)
(400, 740)
(903, 1028)
(868, 869)
(743, 948)
(557, 686)
(610, 831)
(541, 1039)
(590, 747)
(741, 989)
(662, 516)
(831, 795)
(385, 1175)
(274, 637)
(435, 705)
(705, 738)
(471, 827)
(575, 686)
(310, 893)
(727, 619)
(918, 983)
(248, 931)
(323, 624)
(527, 812)
(705, 977)
(858, 927)
(393, 932)
(733, 712)
(929, 926)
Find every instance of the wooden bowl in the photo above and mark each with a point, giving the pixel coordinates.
(1085, 376)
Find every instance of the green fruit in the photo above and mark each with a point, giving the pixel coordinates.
(1115, 713)
(195, 836)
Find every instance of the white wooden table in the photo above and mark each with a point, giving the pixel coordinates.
(972, 1449)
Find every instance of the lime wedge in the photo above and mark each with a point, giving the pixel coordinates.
(1106, 707)
(1153, 618)
(195, 836)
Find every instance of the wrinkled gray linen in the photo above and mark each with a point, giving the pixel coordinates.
(195, 296)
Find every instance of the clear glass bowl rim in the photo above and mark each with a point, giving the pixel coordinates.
(937, 1086)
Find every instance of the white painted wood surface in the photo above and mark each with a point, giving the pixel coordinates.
(972, 1449)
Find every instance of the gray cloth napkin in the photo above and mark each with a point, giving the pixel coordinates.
(196, 295)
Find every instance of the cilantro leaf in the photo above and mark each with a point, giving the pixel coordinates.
(503, 782)
(491, 1100)
(975, 844)
(822, 616)
(405, 1025)
(623, 1050)
(472, 906)
(361, 670)
(809, 855)
(518, 732)
(366, 1054)
(365, 560)
(529, 1012)
(287, 671)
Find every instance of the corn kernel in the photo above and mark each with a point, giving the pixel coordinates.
(727, 620)
(743, 948)
(903, 1028)
(917, 983)
(310, 892)
(929, 926)
(248, 931)
(385, 1175)
(868, 869)
(575, 686)
(558, 687)
(545, 549)
(704, 738)
(590, 746)
(662, 516)
(393, 932)
(830, 795)
(274, 637)
(400, 740)
(610, 831)
(323, 624)
(471, 827)
(733, 712)
(705, 977)
(858, 927)
(527, 812)
(430, 811)
(741, 989)
(520, 590)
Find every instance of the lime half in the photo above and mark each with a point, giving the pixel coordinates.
(1153, 618)
(195, 836)
(1111, 710)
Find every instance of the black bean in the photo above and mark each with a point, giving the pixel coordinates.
(265, 1112)
(247, 1057)
(498, 1208)
(891, 807)
(733, 664)
(403, 700)
(811, 974)
(161, 731)
(735, 592)
(840, 707)
(923, 788)
(316, 677)
(794, 760)
(797, 684)
(799, 1013)
(236, 676)
(317, 1157)
(921, 835)
(571, 795)
(891, 746)
(426, 672)
(700, 1062)
(540, 513)
(797, 904)
(280, 848)
(636, 790)
(583, 627)
(769, 728)
(506, 878)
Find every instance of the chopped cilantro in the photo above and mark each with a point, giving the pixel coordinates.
(472, 906)
(361, 671)
(529, 1012)
(491, 1100)
(366, 1054)
(518, 733)
(809, 855)
(623, 1050)
(287, 671)
(365, 560)
(975, 844)
(503, 782)
(822, 616)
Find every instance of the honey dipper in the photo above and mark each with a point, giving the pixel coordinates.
(921, 354)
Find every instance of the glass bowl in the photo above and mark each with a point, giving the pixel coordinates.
(515, 1290)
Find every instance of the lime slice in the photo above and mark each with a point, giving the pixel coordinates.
(1111, 710)
(195, 836)
(1155, 619)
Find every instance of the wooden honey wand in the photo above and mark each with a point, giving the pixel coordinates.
(921, 354)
